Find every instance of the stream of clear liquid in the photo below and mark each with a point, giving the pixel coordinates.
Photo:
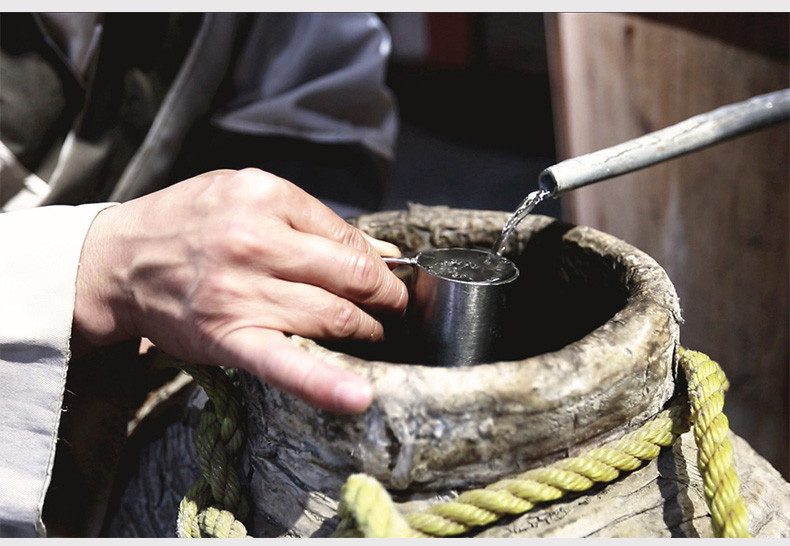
(488, 266)
(530, 202)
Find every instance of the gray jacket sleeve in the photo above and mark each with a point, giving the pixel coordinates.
(317, 76)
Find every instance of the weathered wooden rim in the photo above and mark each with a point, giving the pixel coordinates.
(575, 396)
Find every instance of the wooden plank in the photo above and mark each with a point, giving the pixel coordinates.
(716, 220)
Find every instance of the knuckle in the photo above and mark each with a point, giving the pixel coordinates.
(363, 277)
(402, 295)
(212, 292)
(350, 236)
(235, 241)
(254, 185)
(344, 319)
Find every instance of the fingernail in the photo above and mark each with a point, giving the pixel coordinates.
(353, 397)
(383, 248)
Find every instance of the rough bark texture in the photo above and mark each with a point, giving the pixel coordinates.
(592, 356)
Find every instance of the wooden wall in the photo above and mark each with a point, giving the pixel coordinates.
(717, 219)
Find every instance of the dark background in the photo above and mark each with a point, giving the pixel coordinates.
(475, 105)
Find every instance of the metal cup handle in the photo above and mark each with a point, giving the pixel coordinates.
(399, 260)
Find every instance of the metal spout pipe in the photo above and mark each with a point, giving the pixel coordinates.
(687, 136)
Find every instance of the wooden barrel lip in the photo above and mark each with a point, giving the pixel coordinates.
(650, 287)
(435, 427)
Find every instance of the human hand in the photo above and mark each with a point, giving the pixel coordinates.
(218, 269)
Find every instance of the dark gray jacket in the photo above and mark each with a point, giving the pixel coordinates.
(110, 107)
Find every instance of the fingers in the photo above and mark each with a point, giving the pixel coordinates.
(265, 193)
(359, 276)
(292, 235)
(310, 311)
(271, 357)
(312, 216)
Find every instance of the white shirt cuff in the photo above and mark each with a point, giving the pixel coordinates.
(39, 257)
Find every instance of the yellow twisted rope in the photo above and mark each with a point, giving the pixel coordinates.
(706, 387)
(196, 519)
(367, 510)
(380, 519)
(521, 493)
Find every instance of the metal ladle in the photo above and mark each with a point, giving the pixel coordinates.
(458, 303)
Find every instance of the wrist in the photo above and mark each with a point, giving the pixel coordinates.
(101, 307)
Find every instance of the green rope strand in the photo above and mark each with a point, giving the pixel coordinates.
(208, 508)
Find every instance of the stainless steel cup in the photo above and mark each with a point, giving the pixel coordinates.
(458, 303)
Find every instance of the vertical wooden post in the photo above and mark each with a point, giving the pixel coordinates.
(717, 219)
